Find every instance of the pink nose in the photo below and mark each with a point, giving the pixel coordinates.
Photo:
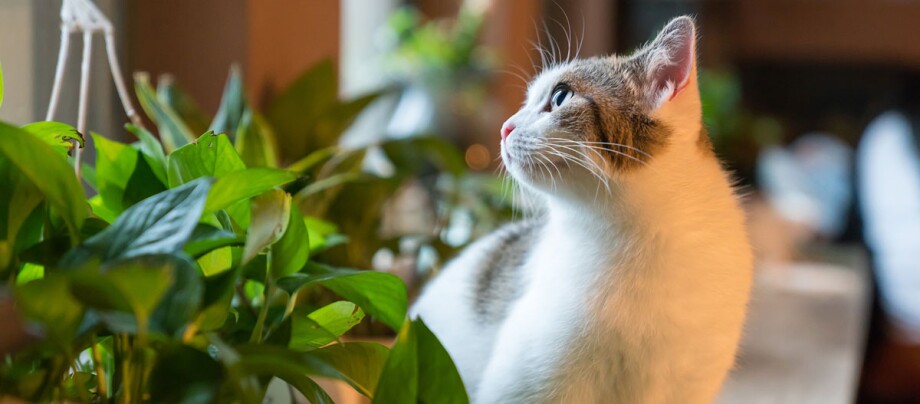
(507, 128)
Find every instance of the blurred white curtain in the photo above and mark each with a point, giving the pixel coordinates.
(888, 175)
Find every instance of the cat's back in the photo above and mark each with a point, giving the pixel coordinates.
(467, 301)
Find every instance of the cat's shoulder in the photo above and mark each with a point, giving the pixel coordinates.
(498, 278)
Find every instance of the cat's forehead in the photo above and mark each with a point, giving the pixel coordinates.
(546, 80)
(605, 74)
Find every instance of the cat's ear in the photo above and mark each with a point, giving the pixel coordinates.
(669, 62)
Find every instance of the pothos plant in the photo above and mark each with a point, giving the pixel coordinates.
(188, 275)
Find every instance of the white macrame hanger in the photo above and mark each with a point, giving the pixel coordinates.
(83, 16)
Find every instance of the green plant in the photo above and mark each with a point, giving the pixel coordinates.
(192, 273)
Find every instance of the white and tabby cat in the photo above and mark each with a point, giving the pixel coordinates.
(631, 286)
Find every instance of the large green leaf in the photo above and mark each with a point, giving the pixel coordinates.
(232, 105)
(380, 294)
(256, 141)
(360, 364)
(211, 155)
(244, 184)
(61, 136)
(439, 380)
(324, 325)
(290, 253)
(169, 93)
(49, 172)
(49, 302)
(161, 224)
(173, 132)
(16, 206)
(271, 213)
(400, 377)
(267, 360)
(419, 369)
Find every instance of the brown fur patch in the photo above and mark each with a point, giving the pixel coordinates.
(614, 111)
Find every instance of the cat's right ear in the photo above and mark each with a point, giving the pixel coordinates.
(669, 62)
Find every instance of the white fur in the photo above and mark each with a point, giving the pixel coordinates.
(636, 295)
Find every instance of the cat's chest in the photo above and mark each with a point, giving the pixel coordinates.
(572, 261)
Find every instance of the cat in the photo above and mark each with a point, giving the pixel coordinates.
(632, 285)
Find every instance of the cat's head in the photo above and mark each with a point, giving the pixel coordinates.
(590, 123)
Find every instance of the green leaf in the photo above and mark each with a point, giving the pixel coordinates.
(49, 302)
(59, 135)
(290, 253)
(50, 173)
(151, 149)
(256, 141)
(16, 207)
(206, 238)
(304, 102)
(29, 273)
(439, 380)
(142, 184)
(183, 299)
(115, 163)
(380, 294)
(161, 224)
(169, 93)
(173, 132)
(327, 183)
(184, 374)
(210, 155)
(244, 184)
(216, 261)
(324, 325)
(232, 105)
(267, 360)
(399, 379)
(419, 369)
(320, 232)
(360, 364)
(142, 282)
(313, 159)
(271, 212)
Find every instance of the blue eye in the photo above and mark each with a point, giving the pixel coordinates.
(560, 96)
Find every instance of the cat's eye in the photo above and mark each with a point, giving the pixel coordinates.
(561, 94)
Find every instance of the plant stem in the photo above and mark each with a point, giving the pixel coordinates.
(101, 385)
(123, 348)
(263, 313)
(292, 301)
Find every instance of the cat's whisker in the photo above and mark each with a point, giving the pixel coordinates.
(636, 149)
(617, 152)
(594, 169)
(590, 166)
